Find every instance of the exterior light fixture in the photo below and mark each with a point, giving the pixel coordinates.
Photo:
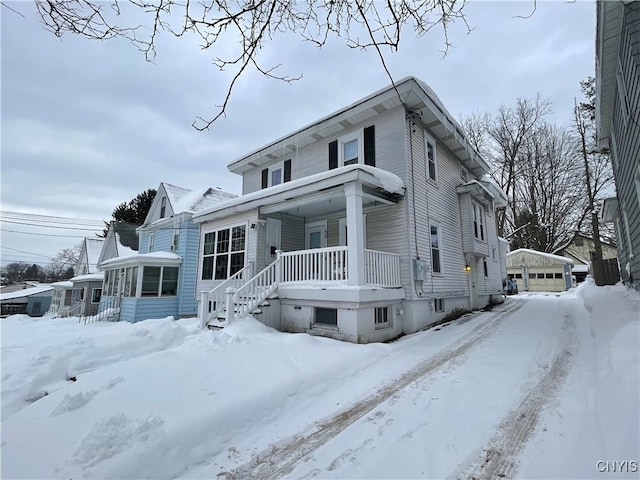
(467, 268)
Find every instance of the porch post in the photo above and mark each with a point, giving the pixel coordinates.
(355, 234)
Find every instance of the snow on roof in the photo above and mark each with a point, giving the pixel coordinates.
(184, 200)
(580, 269)
(63, 284)
(551, 256)
(143, 258)
(26, 292)
(389, 181)
(123, 251)
(94, 247)
(88, 277)
(174, 193)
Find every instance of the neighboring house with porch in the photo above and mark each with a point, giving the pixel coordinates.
(86, 293)
(88, 258)
(61, 299)
(374, 221)
(618, 124)
(33, 301)
(536, 271)
(581, 250)
(160, 280)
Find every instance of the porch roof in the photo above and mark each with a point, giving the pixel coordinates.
(378, 185)
(156, 259)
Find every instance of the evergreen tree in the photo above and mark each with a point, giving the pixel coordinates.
(134, 211)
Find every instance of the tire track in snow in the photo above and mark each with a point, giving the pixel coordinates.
(498, 459)
(280, 459)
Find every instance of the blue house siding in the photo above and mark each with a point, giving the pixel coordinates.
(147, 308)
(128, 309)
(38, 305)
(188, 250)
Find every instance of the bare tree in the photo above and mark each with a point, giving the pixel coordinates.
(250, 25)
(66, 258)
(548, 189)
(501, 138)
(597, 174)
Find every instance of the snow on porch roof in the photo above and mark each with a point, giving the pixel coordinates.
(550, 256)
(388, 181)
(153, 258)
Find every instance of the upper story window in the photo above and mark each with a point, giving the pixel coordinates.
(163, 207)
(478, 222)
(276, 174)
(151, 239)
(430, 157)
(353, 148)
(175, 239)
(436, 261)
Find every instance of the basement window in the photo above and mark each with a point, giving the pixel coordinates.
(439, 304)
(326, 316)
(381, 317)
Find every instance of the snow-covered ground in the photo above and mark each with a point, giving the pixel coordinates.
(545, 386)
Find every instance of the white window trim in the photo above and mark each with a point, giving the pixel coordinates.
(622, 93)
(481, 235)
(357, 135)
(273, 168)
(380, 325)
(433, 272)
(175, 239)
(429, 139)
(217, 228)
(150, 241)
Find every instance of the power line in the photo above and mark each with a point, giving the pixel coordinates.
(43, 234)
(23, 251)
(53, 226)
(58, 218)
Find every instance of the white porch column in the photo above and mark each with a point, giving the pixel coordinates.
(355, 233)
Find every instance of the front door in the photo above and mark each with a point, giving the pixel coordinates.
(316, 235)
(273, 240)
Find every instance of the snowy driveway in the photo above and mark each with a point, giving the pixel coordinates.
(521, 391)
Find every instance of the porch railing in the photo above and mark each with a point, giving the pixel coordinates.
(107, 311)
(382, 268)
(217, 295)
(322, 264)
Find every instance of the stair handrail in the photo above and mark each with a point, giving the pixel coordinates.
(256, 290)
(219, 292)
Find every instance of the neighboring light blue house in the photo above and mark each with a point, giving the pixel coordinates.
(160, 280)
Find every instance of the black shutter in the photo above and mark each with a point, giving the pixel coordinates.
(287, 170)
(333, 155)
(265, 178)
(370, 146)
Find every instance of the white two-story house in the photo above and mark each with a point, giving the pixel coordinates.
(374, 221)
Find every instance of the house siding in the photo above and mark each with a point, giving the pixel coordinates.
(626, 150)
(160, 307)
(435, 202)
(314, 158)
(188, 242)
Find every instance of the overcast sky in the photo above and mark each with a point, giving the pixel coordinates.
(87, 124)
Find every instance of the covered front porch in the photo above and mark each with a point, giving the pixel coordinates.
(316, 240)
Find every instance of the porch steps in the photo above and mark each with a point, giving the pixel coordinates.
(221, 316)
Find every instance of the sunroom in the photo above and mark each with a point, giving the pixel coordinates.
(143, 286)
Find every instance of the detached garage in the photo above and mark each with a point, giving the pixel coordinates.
(536, 271)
